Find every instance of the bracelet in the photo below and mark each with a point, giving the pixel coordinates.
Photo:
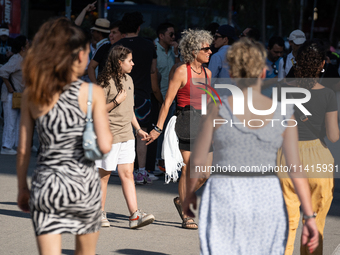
(307, 217)
(157, 129)
(176, 55)
(138, 131)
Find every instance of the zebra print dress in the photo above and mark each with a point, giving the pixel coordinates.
(65, 191)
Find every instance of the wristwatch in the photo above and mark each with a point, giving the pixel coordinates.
(306, 217)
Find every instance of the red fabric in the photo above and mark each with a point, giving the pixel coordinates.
(184, 97)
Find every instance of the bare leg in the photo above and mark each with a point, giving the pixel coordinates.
(86, 244)
(141, 150)
(49, 244)
(125, 172)
(104, 179)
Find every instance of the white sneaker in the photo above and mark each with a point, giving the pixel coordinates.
(140, 219)
(152, 176)
(105, 222)
(6, 151)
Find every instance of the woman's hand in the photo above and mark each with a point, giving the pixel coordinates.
(310, 231)
(90, 7)
(189, 199)
(121, 96)
(141, 133)
(151, 137)
(23, 197)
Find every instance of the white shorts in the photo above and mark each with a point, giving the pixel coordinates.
(121, 153)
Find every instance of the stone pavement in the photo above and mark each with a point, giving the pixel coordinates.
(164, 236)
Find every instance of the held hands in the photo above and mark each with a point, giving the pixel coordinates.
(189, 199)
(310, 231)
(151, 137)
(23, 197)
(121, 96)
(144, 135)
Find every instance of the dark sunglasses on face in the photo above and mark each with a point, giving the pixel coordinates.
(275, 69)
(217, 36)
(206, 49)
(171, 34)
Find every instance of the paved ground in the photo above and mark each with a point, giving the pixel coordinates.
(164, 236)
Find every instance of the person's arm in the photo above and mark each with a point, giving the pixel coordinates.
(175, 83)
(24, 153)
(117, 101)
(154, 81)
(88, 8)
(139, 130)
(101, 120)
(199, 157)
(174, 44)
(8, 85)
(291, 153)
(332, 128)
(91, 69)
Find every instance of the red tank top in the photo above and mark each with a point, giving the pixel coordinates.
(191, 94)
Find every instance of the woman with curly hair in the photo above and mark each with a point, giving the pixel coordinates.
(118, 88)
(243, 212)
(195, 51)
(316, 159)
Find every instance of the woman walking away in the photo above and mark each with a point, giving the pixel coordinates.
(118, 87)
(195, 51)
(316, 159)
(244, 212)
(65, 192)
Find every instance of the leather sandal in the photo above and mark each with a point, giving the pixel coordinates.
(178, 206)
(189, 223)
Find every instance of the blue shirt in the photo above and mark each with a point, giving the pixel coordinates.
(218, 63)
(270, 73)
(165, 61)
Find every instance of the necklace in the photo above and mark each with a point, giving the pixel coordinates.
(195, 71)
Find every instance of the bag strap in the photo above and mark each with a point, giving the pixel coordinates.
(307, 122)
(89, 105)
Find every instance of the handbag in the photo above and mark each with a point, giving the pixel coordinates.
(90, 145)
(187, 123)
(16, 100)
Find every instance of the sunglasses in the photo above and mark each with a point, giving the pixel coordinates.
(275, 69)
(171, 34)
(242, 35)
(206, 49)
(217, 36)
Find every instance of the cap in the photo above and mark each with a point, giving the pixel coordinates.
(227, 31)
(4, 31)
(297, 36)
(102, 25)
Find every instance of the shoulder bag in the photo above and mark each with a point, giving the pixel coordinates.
(90, 145)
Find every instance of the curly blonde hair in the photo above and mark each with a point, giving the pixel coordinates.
(191, 42)
(246, 59)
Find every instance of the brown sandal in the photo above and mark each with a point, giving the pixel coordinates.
(189, 223)
(178, 205)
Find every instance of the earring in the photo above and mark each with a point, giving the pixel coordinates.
(323, 70)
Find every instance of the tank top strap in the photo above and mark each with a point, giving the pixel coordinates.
(188, 74)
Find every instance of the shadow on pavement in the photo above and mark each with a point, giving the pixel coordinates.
(139, 252)
(14, 213)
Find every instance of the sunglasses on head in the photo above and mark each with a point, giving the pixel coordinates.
(206, 49)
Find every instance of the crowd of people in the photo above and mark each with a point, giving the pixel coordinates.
(146, 87)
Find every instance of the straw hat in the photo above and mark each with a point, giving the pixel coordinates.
(102, 25)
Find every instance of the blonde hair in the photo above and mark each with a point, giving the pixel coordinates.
(246, 59)
(192, 41)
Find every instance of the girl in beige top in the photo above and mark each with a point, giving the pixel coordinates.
(118, 88)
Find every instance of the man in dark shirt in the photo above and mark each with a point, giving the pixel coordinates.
(145, 60)
(100, 33)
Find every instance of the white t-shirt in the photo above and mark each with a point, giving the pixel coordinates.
(289, 63)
